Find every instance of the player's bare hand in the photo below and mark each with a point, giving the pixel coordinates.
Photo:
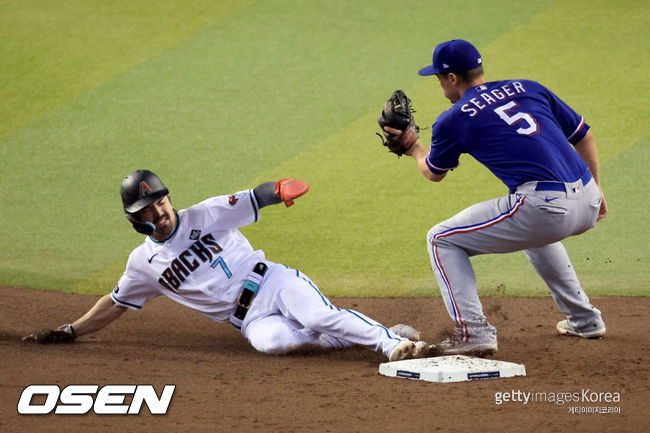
(407, 138)
(393, 131)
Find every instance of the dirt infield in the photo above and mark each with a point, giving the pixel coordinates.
(222, 384)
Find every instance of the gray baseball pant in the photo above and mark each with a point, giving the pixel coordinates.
(533, 219)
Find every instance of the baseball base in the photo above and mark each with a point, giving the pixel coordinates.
(454, 368)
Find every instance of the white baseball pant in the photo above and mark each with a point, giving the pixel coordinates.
(290, 313)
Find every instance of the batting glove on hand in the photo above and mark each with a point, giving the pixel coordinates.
(62, 334)
(290, 189)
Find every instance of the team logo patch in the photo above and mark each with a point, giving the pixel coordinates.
(233, 199)
(145, 189)
(194, 234)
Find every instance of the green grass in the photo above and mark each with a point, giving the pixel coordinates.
(53, 52)
(221, 96)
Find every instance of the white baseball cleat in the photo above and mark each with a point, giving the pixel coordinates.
(407, 349)
(405, 331)
(564, 328)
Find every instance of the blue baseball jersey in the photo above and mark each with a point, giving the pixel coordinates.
(518, 129)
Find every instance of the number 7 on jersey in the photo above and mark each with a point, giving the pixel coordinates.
(220, 262)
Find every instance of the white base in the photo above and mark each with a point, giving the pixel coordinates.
(454, 368)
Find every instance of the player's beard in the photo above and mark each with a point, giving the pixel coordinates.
(164, 225)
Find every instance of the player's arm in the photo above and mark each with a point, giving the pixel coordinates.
(419, 153)
(588, 151)
(284, 190)
(101, 314)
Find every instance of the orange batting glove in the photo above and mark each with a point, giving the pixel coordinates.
(290, 189)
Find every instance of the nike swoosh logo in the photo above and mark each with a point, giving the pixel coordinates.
(149, 260)
(547, 199)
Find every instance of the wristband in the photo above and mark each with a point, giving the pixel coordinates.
(67, 328)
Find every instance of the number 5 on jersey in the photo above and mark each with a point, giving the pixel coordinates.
(502, 111)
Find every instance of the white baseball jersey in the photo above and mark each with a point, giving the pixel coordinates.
(202, 265)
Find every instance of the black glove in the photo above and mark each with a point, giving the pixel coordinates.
(398, 114)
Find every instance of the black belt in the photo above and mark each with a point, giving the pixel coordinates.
(251, 286)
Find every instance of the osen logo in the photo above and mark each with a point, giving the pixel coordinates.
(80, 399)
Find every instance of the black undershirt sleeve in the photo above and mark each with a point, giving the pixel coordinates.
(265, 194)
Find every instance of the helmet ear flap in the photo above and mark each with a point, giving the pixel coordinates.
(145, 228)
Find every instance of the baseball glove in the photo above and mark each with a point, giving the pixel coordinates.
(398, 114)
(62, 334)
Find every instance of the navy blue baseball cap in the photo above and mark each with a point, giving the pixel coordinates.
(455, 56)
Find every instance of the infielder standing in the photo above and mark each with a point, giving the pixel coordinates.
(545, 154)
(199, 258)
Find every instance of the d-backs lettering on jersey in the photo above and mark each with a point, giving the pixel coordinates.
(518, 129)
(186, 262)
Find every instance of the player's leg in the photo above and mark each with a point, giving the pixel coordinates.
(457, 283)
(554, 266)
(552, 263)
(278, 335)
(298, 299)
(479, 229)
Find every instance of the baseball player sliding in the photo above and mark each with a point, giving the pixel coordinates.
(199, 258)
(545, 154)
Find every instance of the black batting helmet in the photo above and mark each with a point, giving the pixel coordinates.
(140, 189)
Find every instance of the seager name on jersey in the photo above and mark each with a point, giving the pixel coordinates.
(506, 91)
(186, 262)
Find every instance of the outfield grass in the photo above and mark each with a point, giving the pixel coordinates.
(221, 96)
